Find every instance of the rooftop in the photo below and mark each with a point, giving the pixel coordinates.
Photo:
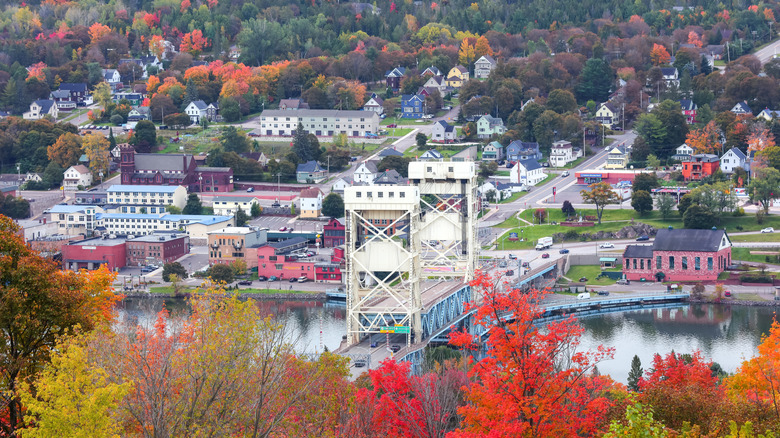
(142, 189)
(233, 230)
(160, 237)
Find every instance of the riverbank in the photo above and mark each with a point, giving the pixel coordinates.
(276, 296)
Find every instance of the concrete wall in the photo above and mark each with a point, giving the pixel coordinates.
(592, 259)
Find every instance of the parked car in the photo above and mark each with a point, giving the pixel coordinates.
(642, 238)
(310, 254)
(250, 189)
(276, 205)
(293, 280)
(392, 125)
(303, 279)
(262, 278)
(512, 257)
(545, 256)
(583, 296)
(603, 292)
(564, 251)
(607, 245)
(273, 278)
(510, 273)
(283, 229)
(623, 281)
(245, 282)
(727, 293)
(565, 173)
(395, 348)
(768, 230)
(583, 279)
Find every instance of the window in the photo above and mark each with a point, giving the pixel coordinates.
(685, 263)
(697, 263)
(403, 194)
(634, 263)
(709, 263)
(380, 194)
(390, 194)
(358, 194)
(642, 264)
(272, 258)
(278, 266)
(671, 262)
(657, 262)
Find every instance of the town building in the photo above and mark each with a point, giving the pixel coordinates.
(389, 177)
(90, 254)
(671, 76)
(310, 172)
(91, 197)
(488, 126)
(156, 249)
(196, 110)
(333, 233)
(733, 159)
(457, 76)
(172, 169)
(375, 104)
(62, 100)
(77, 177)
(72, 220)
(112, 78)
(320, 122)
(366, 172)
(390, 152)
(483, 66)
(78, 92)
(437, 83)
(139, 113)
(197, 226)
(617, 158)
(467, 154)
(282, 259)
(493, 151)
(432, 70)
(430, 154)
(229, 205)
(608, 115)
(523, 150)
(741, 108)
(683, 153)
(689, 110)
(700, 166)
(41, 108)
(443, 132)
(340, 184)
(528, 172)
(120, 194)
(310, 203)
(768, 114)
(611, 176)
(561, 153)
(412, 106)
(393, 78)
(229, 244)
(679, 255)
(293, 104)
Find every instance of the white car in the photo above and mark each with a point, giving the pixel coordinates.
(606, 245)
(768, 230)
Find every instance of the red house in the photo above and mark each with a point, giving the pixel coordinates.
(689, 110)
(700, 166)
(681, 255)
(333, 233)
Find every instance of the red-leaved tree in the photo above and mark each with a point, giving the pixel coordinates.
(533, 381)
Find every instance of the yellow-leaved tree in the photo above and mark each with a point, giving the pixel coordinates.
(96, 148)
(466, 54)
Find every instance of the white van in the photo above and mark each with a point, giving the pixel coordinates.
(565, 173)
(583, 296)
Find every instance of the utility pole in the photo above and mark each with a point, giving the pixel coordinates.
(278, 182)
(624, 117)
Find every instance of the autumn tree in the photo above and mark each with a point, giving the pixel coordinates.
(97, 31)
(760, 139)
(102, 95)
(467, 52)
(66, 150)
(482, 47)
(39, 303)
(705, 140)
(96, 148)
(533, 382)
(157, 46)
(659, 55)
(600, 194)
(193, 42)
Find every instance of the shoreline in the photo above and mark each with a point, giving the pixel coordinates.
(300, 296)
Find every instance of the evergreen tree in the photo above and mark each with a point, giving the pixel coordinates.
(111, 139)
(193, 205)
(303, 146)
(595, 80)
(241, 217)
(190, 94)
(635, 374)
(333, 206)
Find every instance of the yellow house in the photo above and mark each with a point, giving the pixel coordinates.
(617, 158)
(457, 76)
(311, 203)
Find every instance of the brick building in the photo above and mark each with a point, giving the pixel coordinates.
(172, 170)
(700, 166)
(236, 243)
(91, 253)
(282, 260)
(333, 233)
(681, 255)
(157, 248)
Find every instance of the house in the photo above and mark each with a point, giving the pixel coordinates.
(62, 98)
(230, 244)
(561, 153)
(432, 70)
(340, 184)
(671, 76)
(229, 205)
(688, 110)
(412, 106)
(365, 173)
(212, 112)
(523, 150)
(333, 233)
(768, 114)
(112, 77)
(457, 76)
(196, 110)
(283, 123)
(431, 154)
(617, 157)
(77, 176)
(443, 132)
(733, 159)
(679, 255)
(138, 114)
(235, 53)
(393, 78)
(293, 104)
(483, 66)
(438, 83)
(375, 104)
(310, 171)
(72, 220)
(741, 108)
(135, 99)
(528, 172)
(171, 170)
(126, 195)
(700, 166)
(389, 177)
(41, 108)
(280, 260)
(310, 203)
(147, 63)
(78, 92)
(488, 126)
(493, 151)
(683, 153)
(468, 154)
(390, 152)
(427, 91)
(608, 115)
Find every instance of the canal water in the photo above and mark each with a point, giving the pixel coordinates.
(724, 334)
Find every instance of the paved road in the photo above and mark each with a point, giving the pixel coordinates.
(767, 53)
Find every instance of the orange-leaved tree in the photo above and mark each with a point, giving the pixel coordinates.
(39, 303)
(705, 140)
(193, 42)
(659, 55)
(533, 381)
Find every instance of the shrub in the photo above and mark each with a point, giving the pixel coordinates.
(739, 228)
(755, 278)
(739, 211)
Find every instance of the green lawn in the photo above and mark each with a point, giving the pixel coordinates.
(168, 290)
(573, 164)
(769, 237)
(590, 272)
(398, 132)
(502, 173)
(745, 255)
(514, 197)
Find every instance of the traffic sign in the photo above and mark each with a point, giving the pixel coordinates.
(395, 329)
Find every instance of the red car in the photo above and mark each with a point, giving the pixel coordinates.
(545, 256)
(392, 125)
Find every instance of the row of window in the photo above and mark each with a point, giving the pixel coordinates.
(144, 194)
(671, 265)
(312, 119)
(380, 194)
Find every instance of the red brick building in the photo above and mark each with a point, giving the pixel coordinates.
(700, 166)
(681, 255)
(172, 169)
(157, 248)
(91, 253)
(333, 233)
(284, 260)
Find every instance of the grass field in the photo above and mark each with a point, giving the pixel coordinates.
(514, 197)
(590, 272)
(745, 255)
(763, 237)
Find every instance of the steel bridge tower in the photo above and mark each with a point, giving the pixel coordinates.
(398, 236)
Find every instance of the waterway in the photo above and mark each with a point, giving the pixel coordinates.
(724, 334)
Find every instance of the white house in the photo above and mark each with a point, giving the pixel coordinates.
(488, 126)
(431, 154)
(671, 75)
(437, 82)
(120, 194)
(561, 153)
(375, 104)
(683, 152)
(229, 205)
(443, 132)
(608, 115)
(113, 77)
(365, 173)
(528, 172)
(41, 108)
(76, 176)
(732, 160)
(432, 70)
(741, 108)
(483, 66)
(768, 114)
(196, 110)
(311, 203)
(341, 184)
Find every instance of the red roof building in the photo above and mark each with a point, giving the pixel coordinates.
(333, 233)
(700, 166)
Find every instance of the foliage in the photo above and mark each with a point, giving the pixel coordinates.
(66, 150)
(305, 146)
(595, 81)
(705, 140)
(642, 202)
(533, 382)
(639, 423)
(540, 215)
(600, 194)
(241, 217)
(764, 187)
(645, 182)
(399, 164)
(659, 55)
(14, 207)
(568, 209)
(697, 291)
(256, 210)
(144, 136)
(96, 148)
(421, 139)
(698, 217)
(665, 205)
(234, 141)
(635, 374)
(173, 268)
(193, 205)
(333, 206)
(221, 273)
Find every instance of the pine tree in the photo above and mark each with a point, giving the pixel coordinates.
(10, 94)
(111, 139)
(190, 94)
(635, 374)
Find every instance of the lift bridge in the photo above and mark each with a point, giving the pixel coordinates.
(410, 253)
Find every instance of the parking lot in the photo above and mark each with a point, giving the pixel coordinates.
(273, 223)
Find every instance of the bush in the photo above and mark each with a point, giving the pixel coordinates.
(739, 211)
(739, 228)
(117, 119)
(755, 278)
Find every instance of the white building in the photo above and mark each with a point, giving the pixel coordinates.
(73, 220)
(147, 195)
(443, 132)
(561, 153)
(340, 184)
(683, 152)
(483, 66)
(76, 176)
(276, 123)
(229, 205)
(528, 172)
(375, 104)
(197, 226)
(41, 108)
(365, 173)
(113, 77)
(311, 203)
(197, 110)
(733, 159)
